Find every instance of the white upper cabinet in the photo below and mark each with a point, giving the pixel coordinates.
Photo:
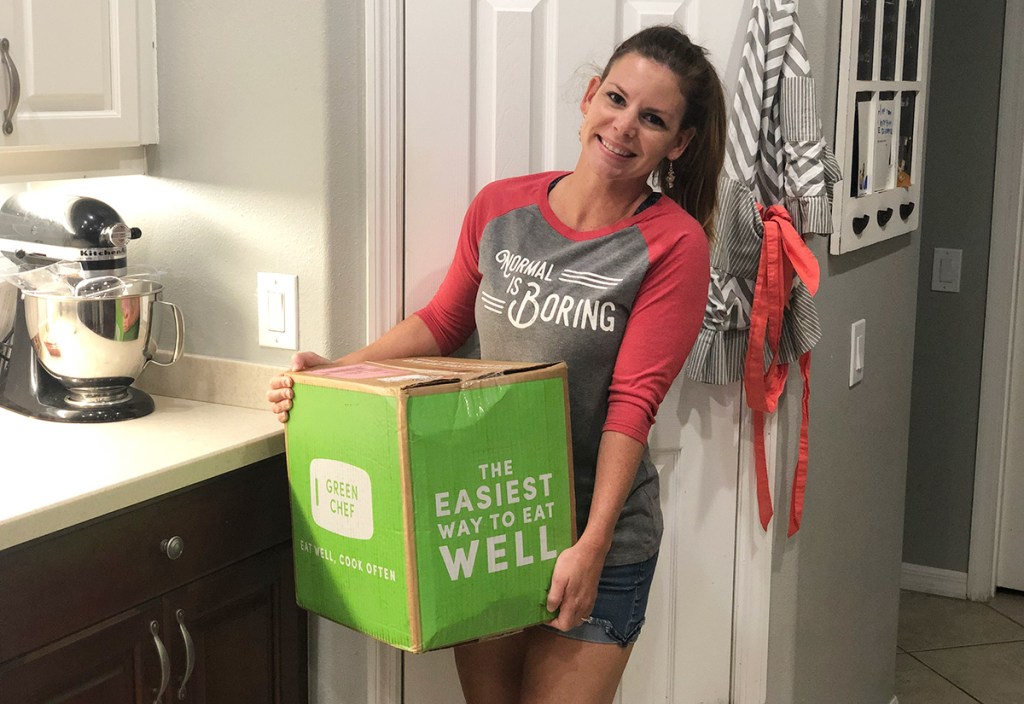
(77, 74)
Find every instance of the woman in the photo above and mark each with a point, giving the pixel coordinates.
(594, 268)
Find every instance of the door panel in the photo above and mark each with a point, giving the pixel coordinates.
(492, 90)
(240, 624)
(684, 654)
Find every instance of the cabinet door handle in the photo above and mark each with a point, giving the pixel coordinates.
(15, 83)
(190, 653)
(165, 662)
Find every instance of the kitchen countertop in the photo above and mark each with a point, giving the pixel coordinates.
(56, 475)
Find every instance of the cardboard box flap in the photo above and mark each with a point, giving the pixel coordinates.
(466, 369)
(418, 372)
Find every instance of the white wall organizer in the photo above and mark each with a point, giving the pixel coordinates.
(880, 121)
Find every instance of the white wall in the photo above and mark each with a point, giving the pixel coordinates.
(259, 168)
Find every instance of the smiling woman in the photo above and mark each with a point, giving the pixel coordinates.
(595, 268)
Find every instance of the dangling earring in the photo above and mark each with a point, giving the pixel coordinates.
(670, 177)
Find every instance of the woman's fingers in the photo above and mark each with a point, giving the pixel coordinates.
(572, 610)
(281, 381)
(556, 593)
(280, 395)
(280, 391)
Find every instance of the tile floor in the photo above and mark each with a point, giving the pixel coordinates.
(951, 651)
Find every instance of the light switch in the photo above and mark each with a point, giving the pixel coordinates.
(277, 310)
(946, 270)
(857, 342)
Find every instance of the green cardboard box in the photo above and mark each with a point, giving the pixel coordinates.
(430, 497)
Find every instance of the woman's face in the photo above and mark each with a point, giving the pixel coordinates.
(632, 119)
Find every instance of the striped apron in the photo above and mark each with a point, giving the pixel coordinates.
(778, 167)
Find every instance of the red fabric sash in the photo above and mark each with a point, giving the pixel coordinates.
(783, 255)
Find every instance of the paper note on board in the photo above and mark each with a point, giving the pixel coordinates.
(883, 171)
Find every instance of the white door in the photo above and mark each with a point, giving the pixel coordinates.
(492, 89)
(77, 62)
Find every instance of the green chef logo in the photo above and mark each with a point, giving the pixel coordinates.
(342, 498)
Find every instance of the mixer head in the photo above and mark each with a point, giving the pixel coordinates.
(37, 229)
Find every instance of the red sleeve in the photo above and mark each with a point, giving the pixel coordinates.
(450, 314)
(661, 329)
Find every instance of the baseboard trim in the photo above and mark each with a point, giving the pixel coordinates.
(933, 580)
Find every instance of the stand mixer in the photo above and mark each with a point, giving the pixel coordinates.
(72, 355)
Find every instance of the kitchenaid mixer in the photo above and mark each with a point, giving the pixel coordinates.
(75, 336)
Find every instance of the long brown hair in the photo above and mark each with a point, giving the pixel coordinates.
(695, 186)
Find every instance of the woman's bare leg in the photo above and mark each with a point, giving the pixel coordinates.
(561, 670)
(491, 671)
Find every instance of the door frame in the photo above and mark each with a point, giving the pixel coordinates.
(384, 139)
(385, 180)
(1004, 279)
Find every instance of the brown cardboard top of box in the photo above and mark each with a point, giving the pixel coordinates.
(425, 374)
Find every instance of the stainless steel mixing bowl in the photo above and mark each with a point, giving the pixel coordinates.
(96, 347)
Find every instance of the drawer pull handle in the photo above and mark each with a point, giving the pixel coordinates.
(172, 547)
(190, 653)
(14, 82)
(165, 662)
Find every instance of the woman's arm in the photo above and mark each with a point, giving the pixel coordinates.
(574, 582)
(410, 338)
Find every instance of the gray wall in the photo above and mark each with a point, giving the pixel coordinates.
(962, 122)
(835, 586)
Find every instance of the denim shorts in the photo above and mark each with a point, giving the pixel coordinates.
(618, 613)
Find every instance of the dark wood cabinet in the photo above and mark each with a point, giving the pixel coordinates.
(102, 614)
(113, 661)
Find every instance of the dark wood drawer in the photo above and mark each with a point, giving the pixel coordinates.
(65, 582)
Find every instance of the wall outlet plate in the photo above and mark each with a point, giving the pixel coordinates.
(277, 298)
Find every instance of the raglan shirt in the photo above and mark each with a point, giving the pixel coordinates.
(621, 306)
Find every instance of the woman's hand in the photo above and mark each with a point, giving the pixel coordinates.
(574, 585)
(280, 394)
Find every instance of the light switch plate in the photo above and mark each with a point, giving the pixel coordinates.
(277, 299)
(946, 270)
(857, 342)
